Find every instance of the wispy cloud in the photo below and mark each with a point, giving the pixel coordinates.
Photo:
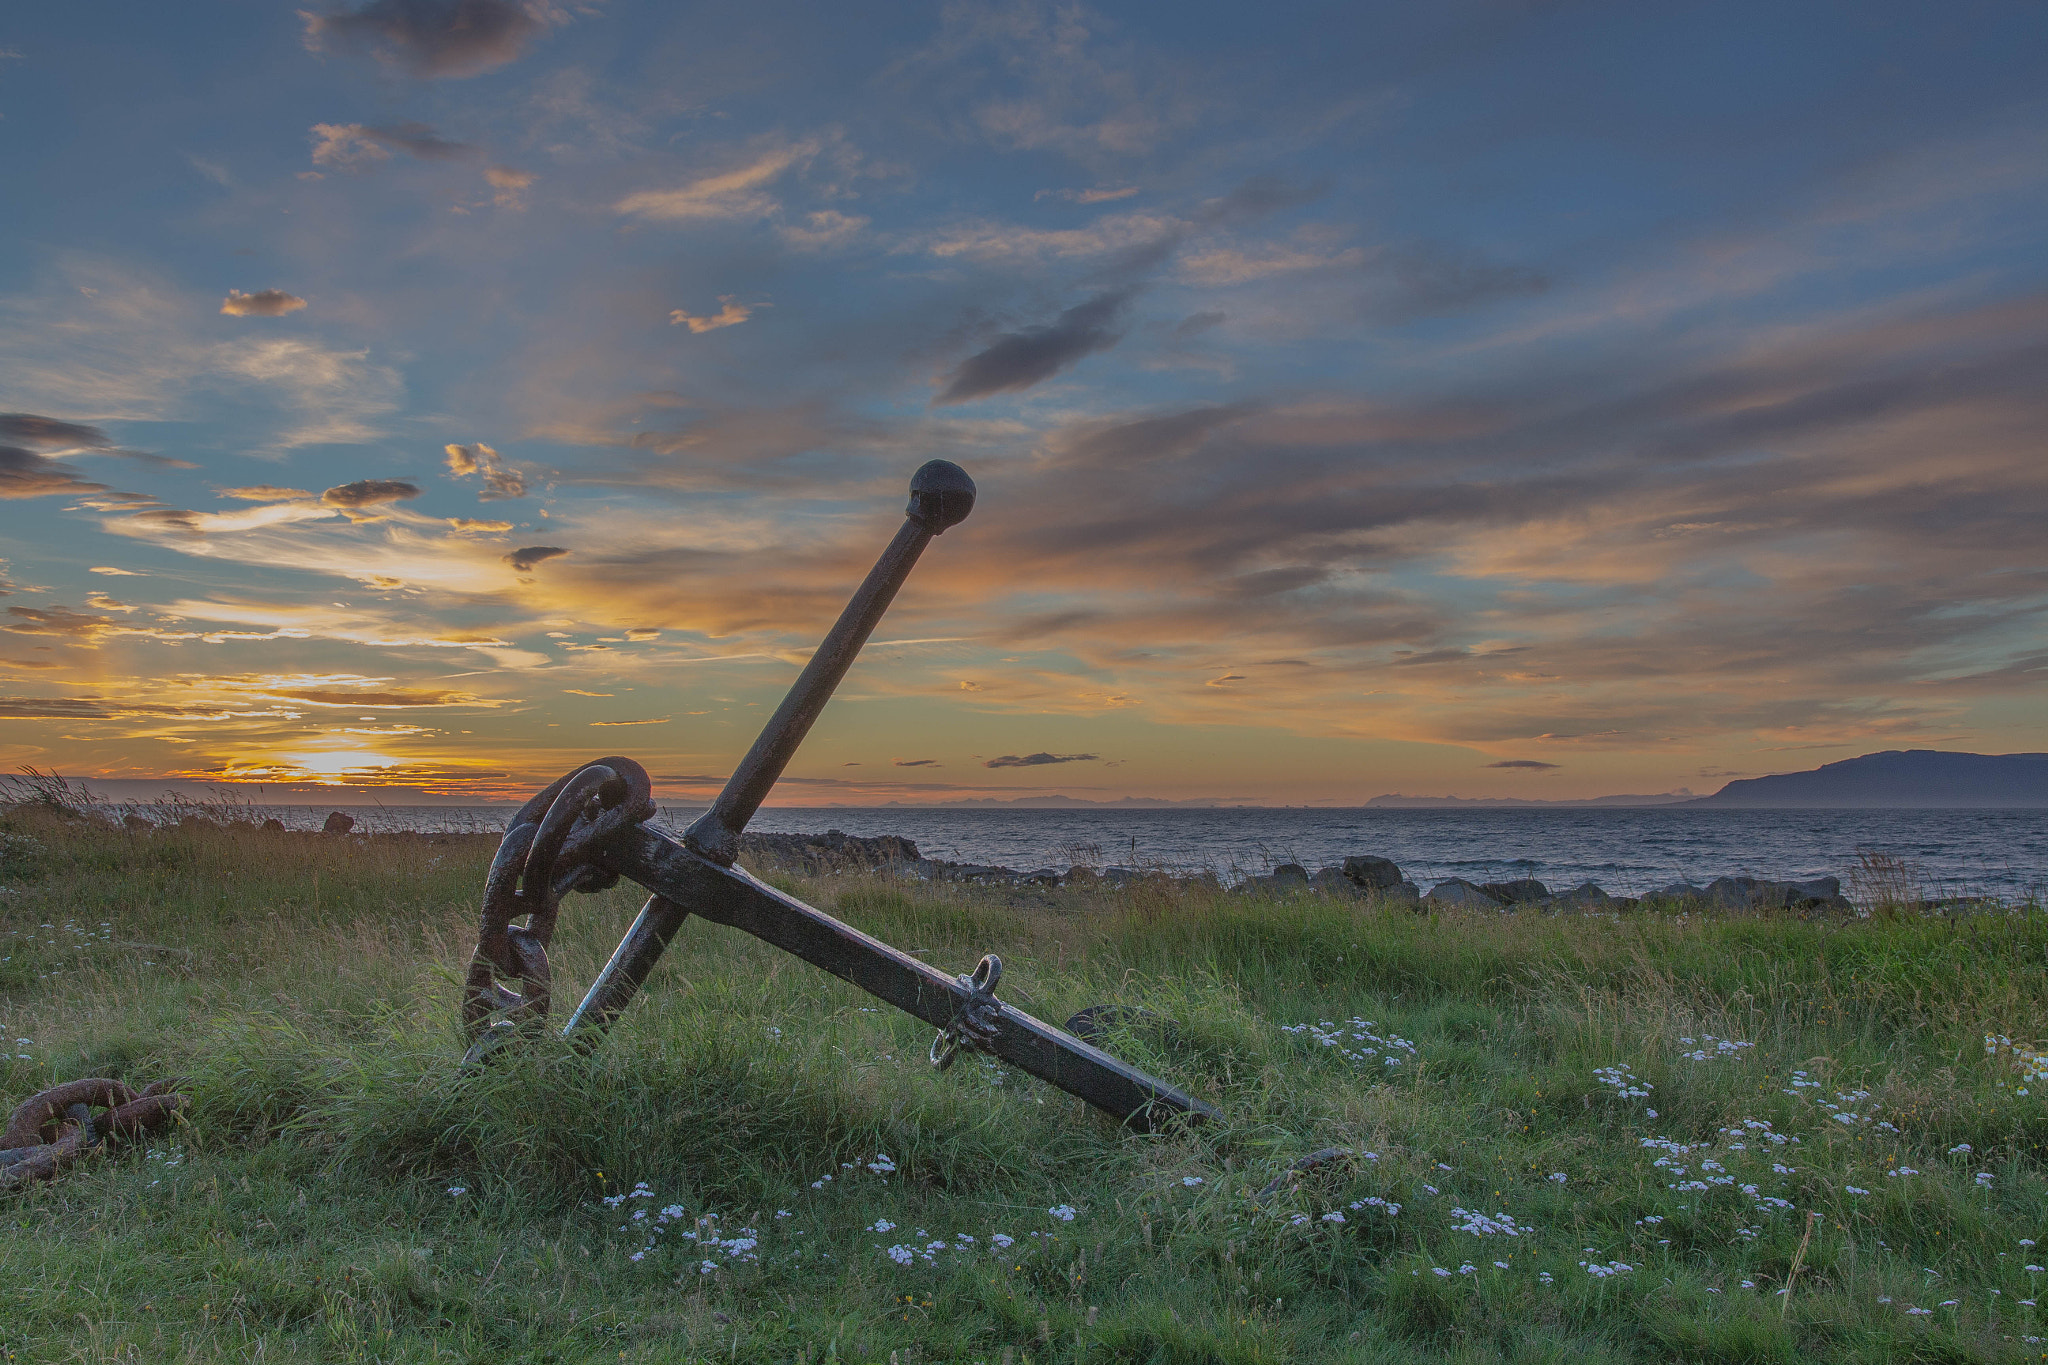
(730, 314)
(1037, 760)
(264, 303)
(737, 193)
(500, 480)
(1018, 360)
(355, 146)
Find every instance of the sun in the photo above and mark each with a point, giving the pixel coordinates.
(330, 765)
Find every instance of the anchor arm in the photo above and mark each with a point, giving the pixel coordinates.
(731, 896)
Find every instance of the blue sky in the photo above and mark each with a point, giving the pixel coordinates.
(1499, 399)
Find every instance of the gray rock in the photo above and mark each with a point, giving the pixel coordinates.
(1584, 896)
(1756, 893)
(1459, 894)
(1521, 889)
(1291, 872)
(1372, 874)
(1677, 891)
(1331, 881)
(337, 823)
(1818, 893)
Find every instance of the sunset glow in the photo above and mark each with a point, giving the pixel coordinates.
(1468, 399)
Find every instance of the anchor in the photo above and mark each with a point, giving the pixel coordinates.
(589, 828)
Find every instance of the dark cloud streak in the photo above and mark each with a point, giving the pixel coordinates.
(428, 38)
(1018, 360)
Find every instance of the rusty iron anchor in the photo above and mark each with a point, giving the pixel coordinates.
(589, 828)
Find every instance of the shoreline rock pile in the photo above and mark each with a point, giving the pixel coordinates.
(1359, 877)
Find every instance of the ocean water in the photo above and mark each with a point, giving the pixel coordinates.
(2002, 853)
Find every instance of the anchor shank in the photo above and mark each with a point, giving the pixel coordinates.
(941, 495)
(731, 896)
(716, 833)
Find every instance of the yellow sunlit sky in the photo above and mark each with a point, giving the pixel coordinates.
(403, 399)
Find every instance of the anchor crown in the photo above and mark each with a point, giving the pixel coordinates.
(941, 496)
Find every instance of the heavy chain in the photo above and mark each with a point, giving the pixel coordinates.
(547, 852)
(54, 1128)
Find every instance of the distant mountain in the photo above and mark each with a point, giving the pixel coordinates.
(1899, 777)
(1399, 802)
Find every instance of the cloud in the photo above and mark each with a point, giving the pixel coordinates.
(737, 193)
(475, 526)
(331, 396)
(916, 763)
(25, 474)
(1018, 360)
(357, 146)
(369, 492)
(264, 303)
(429, 38)
(509, 185)
(265, 492)
(57, 622)
(1527, 764)
(609, 724)
(95, 708)
(500, 480)
(1430, 279)
(524, 559)
(821, 230)
(50, 433)
(1093, 196)
(383, 699)
(1038, 760)
(731, 315)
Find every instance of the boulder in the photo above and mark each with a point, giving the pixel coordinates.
(832, 851)
(337, 823)
(1372, 874)
(1584, 896)
(1677, 891)
(137, 822)
(1757, 893)
(1331, 881)
(1291, 872)
(1459, 894)
(273, 825)
(1517, 891)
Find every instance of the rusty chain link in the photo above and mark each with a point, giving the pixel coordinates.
(546, 853)
(54, 1128)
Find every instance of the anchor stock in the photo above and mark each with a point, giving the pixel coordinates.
(589, 828)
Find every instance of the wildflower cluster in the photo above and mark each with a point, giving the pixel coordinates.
(1483, 1225)
(1622, 1079)
(1355, 1041)
(1707, 1173)
(1708, 1048)
(2032, 1064)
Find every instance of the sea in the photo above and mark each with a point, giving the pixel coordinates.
(2002, 854)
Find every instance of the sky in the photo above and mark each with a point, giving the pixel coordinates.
(1493, 399)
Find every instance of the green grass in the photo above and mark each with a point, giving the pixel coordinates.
(305, 988)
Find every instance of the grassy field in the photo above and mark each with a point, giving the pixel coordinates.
(1644, 1138)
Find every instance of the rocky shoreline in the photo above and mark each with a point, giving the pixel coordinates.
(1358, 877)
